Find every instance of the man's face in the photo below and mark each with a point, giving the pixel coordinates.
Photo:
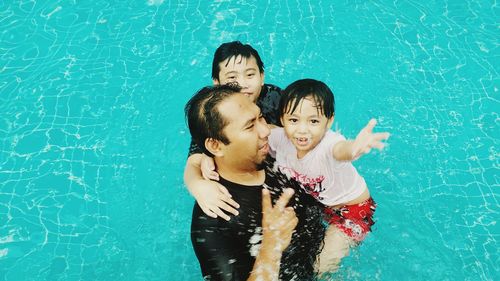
(243, 71)
(247, 132)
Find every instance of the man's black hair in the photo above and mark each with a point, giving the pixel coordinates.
(203, 118)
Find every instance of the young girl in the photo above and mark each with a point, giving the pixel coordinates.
(309, 152)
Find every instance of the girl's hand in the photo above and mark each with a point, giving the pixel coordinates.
(213, 199)
(207, 167)
(366, 140)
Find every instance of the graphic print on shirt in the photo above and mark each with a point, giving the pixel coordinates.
(312, 185)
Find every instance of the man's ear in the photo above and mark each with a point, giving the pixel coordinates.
(213, 146)
(216, 82)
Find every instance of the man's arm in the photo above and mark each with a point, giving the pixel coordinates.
(278, 223)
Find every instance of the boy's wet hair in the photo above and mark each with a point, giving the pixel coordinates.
(301, 89)
(204, 119)
(234, 49)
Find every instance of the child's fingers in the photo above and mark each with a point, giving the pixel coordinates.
(381, 136)
(224, 206)
(223, 190)
(230, 201)
(213, 176)
(377, 140)
(371, 124)
(208, 212)
(221, 214)
(205, 175)
(211, 165)
(210, 175)
(378, 145)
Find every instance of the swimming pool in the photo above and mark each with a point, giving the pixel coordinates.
(93, 140)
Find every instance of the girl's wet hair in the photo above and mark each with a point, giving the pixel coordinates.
(301, 89)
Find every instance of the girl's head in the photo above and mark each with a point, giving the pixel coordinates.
(306, 109)
(307, 88)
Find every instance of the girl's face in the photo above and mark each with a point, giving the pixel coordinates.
(306, 126)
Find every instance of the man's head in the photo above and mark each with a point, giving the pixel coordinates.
(236, 62)
(228, 126)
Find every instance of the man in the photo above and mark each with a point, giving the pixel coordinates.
(235, 63)
(230, 127)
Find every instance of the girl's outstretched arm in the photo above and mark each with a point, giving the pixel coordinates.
(365, 140)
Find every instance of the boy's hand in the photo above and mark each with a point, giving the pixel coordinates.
(366, 140)
(213, 199)
(207, 167)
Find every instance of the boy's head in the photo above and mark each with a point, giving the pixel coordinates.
(235, 62)
(306, 113)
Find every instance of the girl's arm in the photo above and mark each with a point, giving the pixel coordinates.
(365, 140)
(211, 196)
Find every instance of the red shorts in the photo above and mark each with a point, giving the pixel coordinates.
(354, 220)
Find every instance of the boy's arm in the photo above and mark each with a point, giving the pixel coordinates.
(365, 140)
(211, 196)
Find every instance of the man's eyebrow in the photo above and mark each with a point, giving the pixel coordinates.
(249, 122)
(252, 120)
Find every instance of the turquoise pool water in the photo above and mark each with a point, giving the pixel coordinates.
(93, 140)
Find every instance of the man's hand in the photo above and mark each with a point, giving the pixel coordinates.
(366, 140)
(214, 199)
(278, 222)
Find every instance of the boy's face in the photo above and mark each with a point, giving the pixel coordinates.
(247, 132)
(243, 71)
(306, 126)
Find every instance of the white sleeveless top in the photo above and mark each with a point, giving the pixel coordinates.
(330, 181)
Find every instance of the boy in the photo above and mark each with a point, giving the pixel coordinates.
(241, 64)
